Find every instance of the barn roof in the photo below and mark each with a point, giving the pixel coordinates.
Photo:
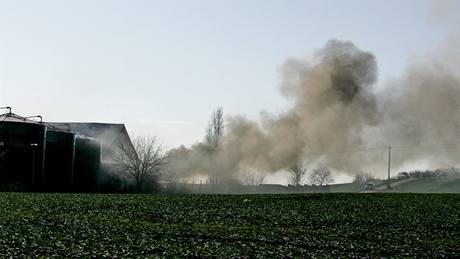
(111, 135)
(107, 133)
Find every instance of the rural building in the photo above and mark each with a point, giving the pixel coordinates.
(110, 135)
(36, 155)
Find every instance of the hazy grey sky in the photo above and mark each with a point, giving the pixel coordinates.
(161, 67)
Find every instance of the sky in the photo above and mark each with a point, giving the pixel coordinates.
(161, 67)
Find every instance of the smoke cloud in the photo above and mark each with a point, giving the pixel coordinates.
(336, 114)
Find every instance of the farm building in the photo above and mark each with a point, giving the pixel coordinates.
(63, 157)
(110, 135)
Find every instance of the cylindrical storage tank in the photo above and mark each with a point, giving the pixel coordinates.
(21, 154)
(86, 164)
(59, 158)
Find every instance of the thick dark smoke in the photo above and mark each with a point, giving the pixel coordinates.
(337, 110)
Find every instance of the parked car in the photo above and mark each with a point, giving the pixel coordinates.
(370, 186)
(403, 175)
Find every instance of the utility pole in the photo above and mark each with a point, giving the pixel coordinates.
(389, 166)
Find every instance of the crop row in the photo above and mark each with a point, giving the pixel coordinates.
(351, 225)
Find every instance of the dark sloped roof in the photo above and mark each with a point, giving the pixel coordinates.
(108, 133)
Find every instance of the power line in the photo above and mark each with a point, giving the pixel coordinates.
(425, 147)
(344, 151)
(379, 148)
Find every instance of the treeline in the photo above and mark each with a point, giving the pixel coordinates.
(451, 171)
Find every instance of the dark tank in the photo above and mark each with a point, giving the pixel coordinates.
(22, 146)
(36, 156)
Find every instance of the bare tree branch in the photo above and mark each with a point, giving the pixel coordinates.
(321, 176)
(144, 159)
(363, 177)
(297, 173)
(214, 134)
(215, 129)
(251, 177)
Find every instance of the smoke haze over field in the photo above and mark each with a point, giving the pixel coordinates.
(336, 109)
(160, 67)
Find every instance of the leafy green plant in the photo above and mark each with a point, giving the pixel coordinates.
(312, 225)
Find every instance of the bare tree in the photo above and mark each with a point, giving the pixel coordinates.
(215, 129)
(213, 178)
(251, 177)
(297, 173)
(214, 133)
(451, 171)
(321, 176)
(363, 177)
(143, 161)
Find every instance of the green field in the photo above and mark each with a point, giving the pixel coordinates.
(439, 184)
(350, 225)
(431, 185)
